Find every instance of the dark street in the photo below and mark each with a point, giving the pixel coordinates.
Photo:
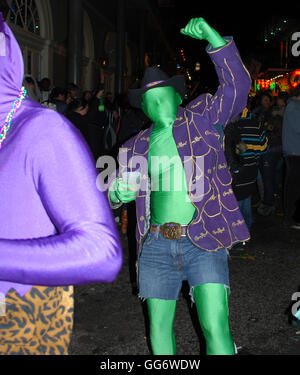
(109, 320)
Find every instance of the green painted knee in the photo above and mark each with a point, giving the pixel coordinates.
(212, 308)
(162, 315)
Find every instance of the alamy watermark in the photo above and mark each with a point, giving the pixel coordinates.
(296, 305)
(296, 46)
(166, 173)
(2, 305)
(2, 45)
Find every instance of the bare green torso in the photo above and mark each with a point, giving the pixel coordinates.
(169, 196)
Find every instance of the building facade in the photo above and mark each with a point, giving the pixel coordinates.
(77, 40)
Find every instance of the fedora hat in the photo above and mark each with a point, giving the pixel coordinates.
(154, 77)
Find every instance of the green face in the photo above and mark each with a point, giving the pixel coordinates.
(161, 104)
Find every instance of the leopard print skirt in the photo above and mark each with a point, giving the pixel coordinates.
(40, 323)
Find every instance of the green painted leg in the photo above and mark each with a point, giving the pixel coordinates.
(212, 308)
(162, 315)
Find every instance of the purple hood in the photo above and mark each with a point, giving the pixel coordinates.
(11, 69)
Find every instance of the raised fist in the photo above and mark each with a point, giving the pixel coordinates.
(198, 28)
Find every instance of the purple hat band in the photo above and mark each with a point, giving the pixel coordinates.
(153, 84)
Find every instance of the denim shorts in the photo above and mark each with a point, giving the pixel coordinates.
(164, 264)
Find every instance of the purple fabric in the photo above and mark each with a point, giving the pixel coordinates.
(56, 227)
(218, 223)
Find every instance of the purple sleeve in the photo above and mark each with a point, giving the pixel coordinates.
(86, 248)
(234, 84)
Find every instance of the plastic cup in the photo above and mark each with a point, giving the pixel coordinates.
(133, 179)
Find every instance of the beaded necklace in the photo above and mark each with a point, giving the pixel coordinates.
(17, 103)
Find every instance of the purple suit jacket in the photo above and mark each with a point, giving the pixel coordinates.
(218, 222)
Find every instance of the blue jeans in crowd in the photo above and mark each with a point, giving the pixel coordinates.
(271, 168)
(246, 211)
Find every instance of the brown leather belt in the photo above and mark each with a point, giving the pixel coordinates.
(171, 231)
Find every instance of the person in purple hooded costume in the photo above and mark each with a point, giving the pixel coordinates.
(56, 227)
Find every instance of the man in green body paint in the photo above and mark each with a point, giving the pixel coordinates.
(164, 262)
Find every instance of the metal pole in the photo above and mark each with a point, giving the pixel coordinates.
(75, 41)
(121, 39)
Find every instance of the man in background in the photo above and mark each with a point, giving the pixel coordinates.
(291, 152)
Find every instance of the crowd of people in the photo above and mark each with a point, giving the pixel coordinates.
(263, 155)
(94, 112)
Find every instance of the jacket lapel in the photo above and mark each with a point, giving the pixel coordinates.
(181, 136)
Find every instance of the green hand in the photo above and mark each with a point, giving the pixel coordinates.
(121, 192)
(198, 28)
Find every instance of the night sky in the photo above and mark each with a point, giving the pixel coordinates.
(245, 22)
